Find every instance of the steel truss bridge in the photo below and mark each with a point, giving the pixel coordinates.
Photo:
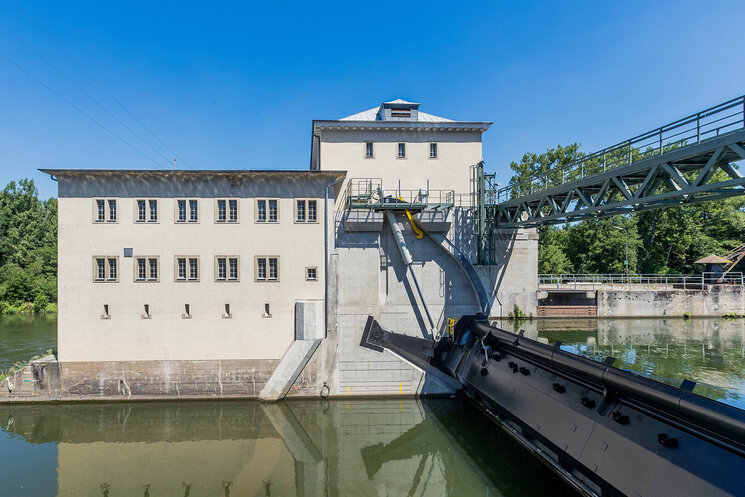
(684, 162)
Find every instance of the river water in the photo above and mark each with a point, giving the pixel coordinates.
(326, 448)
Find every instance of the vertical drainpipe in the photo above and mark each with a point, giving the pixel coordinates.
(326, 251)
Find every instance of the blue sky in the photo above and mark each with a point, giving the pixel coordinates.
(236, 86)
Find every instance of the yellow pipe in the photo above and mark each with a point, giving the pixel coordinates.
(419, 233)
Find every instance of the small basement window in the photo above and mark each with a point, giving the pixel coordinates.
(146, 314)
(401, 150)
(227, 314)
(187, 312)
(311, 273)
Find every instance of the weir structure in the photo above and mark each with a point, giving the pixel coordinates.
(606, 431)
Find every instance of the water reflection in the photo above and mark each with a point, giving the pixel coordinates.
(241, 448)
(708, 351)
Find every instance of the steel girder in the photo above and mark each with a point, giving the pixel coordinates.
(680, 176)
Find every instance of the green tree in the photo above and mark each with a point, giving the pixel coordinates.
(28, 244)
(552, 258)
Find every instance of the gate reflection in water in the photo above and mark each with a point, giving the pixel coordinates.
(245, 448)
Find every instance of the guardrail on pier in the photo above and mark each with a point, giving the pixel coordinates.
(622, 281)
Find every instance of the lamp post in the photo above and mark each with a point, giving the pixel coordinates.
(626, 261)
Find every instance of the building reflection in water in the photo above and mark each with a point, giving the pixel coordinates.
(300, 448)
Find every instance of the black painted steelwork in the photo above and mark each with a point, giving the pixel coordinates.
(606, 431)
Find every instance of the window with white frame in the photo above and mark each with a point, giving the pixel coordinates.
(146, 269)
(141, 211)
(306, 211)
(267, 268)
(432, 150)
(267, 210)
(105, 210)
(227, 268)
(187, 211)
(226, 210)
(105, 269)
(153, 204)
(147, 211)
(186, 268)
(311, 273)
(368, 150)
(401, 151)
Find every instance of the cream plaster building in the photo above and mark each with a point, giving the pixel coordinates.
(186, 265)
(257, 283)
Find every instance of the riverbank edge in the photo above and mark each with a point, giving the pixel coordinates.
(47, 381)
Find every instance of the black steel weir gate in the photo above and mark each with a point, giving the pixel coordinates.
(671, 165)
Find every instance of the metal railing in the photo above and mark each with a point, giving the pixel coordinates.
(710, 123)
(364, 193)
(637, 281)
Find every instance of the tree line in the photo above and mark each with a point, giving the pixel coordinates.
(666, 241)
(28, 249)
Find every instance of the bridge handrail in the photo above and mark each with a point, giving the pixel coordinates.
(709, 123)
(581, 281)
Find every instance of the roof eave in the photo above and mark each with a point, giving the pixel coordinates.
(459, 125)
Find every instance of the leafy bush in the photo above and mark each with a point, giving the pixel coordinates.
(40, 303)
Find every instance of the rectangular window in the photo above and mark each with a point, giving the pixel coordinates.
(312, 211)
(300, 217)
(311, 274)
(261, 268)
(233, 268)
(267, 268)
(111, 261)
(368, 150)
(101, 210)
(181, 211)
(193, 211)
(226, 211)
(306, 211)
(432, 150)
(233, 211)
(186, 210)
(153, 210)
(181, 268)
(401, 150)
(146, 269)
(227, 268)
(100, 269)
(273, 268)
(152, 263)
(141, 211)
(187, 269)
(193, 268)
(273, 211)
(105, 210)
(267, 210)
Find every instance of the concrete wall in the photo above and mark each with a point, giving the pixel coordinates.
(715, 301)
(513, 280)
(207, 335)
(457, 151)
